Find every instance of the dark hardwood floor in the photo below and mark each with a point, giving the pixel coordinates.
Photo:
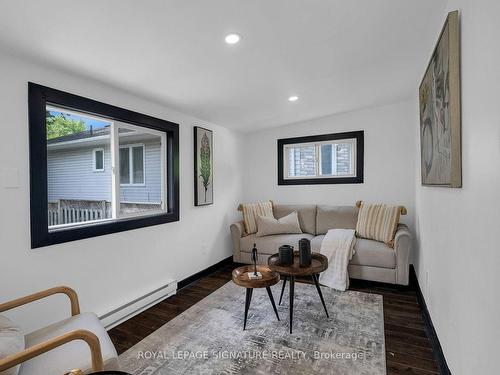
(407, 345)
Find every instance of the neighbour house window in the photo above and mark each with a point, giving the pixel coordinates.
(139, 188)
(132, 165)
(322, 159)
(98, 159)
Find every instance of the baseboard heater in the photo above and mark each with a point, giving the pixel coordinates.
(126, 311)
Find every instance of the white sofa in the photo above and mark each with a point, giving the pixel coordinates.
(372, 260)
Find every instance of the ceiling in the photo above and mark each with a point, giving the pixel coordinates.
(336, 55)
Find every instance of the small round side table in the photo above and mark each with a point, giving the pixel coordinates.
(269, 278)
(319, 263)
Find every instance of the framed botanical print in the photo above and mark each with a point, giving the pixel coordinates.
(203, 167)
(440, 115)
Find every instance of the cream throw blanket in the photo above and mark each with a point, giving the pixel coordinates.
(338, 247)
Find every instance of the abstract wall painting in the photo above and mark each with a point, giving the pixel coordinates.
(203, 167)
(440, 114)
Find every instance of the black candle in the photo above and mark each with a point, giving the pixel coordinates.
(304, 252)
(286, 255)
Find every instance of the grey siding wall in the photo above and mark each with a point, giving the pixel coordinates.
(302, 161)
(305, 160)
(344, 159)
(71, 176)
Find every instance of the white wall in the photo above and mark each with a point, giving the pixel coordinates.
(110, 270)
(459, 228)
(389, 160)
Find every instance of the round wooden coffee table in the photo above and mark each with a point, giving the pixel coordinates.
(269, 278)
(319, 263)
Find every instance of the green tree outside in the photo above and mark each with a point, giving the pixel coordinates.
(60, 125)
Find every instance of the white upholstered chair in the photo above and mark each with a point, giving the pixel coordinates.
(58, 348)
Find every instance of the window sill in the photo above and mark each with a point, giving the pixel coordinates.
(61, 235)
(320, 180)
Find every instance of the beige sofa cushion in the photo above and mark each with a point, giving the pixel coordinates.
(252, 210)
(373, 253)
(335, 217)
(367, 252)
(271, 244)
(11, 342)
(378, 222)
(75, 354)
(288, 224)
(306, 213)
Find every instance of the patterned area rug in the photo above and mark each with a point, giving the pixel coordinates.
(208, 338)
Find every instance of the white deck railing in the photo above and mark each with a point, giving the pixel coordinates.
(74, 211)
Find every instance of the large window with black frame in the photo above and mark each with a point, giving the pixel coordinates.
(104, 169)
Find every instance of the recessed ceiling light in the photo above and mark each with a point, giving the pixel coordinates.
(232, 38)
(293, 98)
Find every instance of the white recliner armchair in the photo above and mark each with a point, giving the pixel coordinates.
(58, 348)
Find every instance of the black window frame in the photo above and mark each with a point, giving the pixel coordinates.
(38, 97)
(358, 179)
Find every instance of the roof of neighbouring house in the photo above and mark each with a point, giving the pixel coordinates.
(91, 133)
(87, 134)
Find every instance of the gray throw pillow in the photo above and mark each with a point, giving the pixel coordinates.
(288, 224)
(11, 342)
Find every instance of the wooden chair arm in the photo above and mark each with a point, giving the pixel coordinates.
(73, 297)
(43, 347)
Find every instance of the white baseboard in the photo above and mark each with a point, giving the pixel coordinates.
(126, 311)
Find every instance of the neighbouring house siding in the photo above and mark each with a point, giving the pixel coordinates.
(302, 161)
(71, 176)
(343, 159)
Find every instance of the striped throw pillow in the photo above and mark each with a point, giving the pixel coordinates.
(378, 222)
(252, 210)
